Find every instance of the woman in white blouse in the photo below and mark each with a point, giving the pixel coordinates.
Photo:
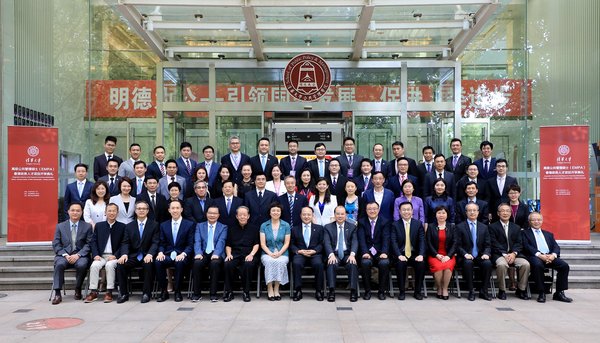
(276, 185)
(125, 201)
(323, 203)
(95, 207)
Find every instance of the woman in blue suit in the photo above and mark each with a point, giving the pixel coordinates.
(274, 241)
(440, 197)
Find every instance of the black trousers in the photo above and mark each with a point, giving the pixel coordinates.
(214, 269)
(352, 270)
(161, 272)
(537, 273)
(485, 267)
(246, 270)
(419, 267)
(383, 264)
(61, 264)
(124, 269)
(316, 262)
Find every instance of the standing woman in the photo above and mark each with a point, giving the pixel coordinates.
(355, 205)
(408, 188)
(276, 185)
(306, 186)
(246, 183)
(441, 248)
(95, 207)
(199, 174)
(323, 203)
(125, 201)
(224, 173)
(438, 198)
(519, 209)
(274, 241)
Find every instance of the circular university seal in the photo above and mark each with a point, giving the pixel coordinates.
(307, 77)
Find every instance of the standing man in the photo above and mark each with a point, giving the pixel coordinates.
(341, 246)
(394, 183)
(228, 204)
(427, 166)
(139, 179)
(126, 167)
(379, 164)
(475, 248)
(486, 164)
(337, 181)
(71, 245)
(106, 248)
(158, 203)
(185, 164)
(172, 176)
(319, 167)
(263, 162)
(439, 172)
(235, 159)
(157, 167)
(398, 151)
(259, 200)
(364, 180)
(100, 162)
(382, 196)
(195, 206)
(457, 163)
(460, 210)
(496, 188)
(349, 160)
(139, 249)
(472, 176)
(373, 241)
(307, 246)
(291, 202)
(80, 190)
(292, 164)
(209, 164)
(112, 179)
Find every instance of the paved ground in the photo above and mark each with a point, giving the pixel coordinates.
(430, 320)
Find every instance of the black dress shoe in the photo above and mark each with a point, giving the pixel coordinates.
(541, 298)
(367, 295)
(353, 296)
(319, 295)
(297, 295)
(418, 296)
(471, 296)
(145, 298)
(331, 296)
(521, 294)
(560, 296)
(122, 298)
(164, 296)
(57, 299)
(214, 298)
(381, 295)
(227, 297)
(502, 295)
(178, 297)
(485, 296)
(77, 295)
(401, 295)
(246, 297)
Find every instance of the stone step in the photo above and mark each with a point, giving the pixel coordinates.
(584, 282)
(584, 270)
(586, 249)
(34, 283)
(28, 250)
(590, 259)
(26, 272)
(22, 261)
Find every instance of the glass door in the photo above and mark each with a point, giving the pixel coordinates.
(473, 132)
(143, 132)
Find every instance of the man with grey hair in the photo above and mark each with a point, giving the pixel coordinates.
(235, 159)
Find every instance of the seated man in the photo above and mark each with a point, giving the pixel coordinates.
(106, 248)
(341, 247)
(240, 250)
(507, 249)
(71, 244)
(175, 247)
(408, 244)
(140, 245)
(373, 241)
(209, 251)
(307, 246)
(543, 252)
(475, 248)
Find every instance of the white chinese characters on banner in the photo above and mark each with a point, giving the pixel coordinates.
(140, 98)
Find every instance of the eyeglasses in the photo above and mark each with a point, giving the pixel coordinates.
(141, 208)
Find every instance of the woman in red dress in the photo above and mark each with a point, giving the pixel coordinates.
(441, 248)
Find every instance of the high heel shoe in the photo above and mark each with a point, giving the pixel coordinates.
(277, 297)
(445, 297)
(271, 298)
(439, 296)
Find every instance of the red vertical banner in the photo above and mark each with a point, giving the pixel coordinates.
(564, 181)
(32, 183)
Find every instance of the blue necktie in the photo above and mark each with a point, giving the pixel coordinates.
(139, 256)
(291, 199)
(228, 205)
(209, 242)
(340, 243)
(541, 242)
(263, 162)
(321, 169)
(474, 237)
(305, 234)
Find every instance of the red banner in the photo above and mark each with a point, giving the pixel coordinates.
(121, 98)
(32, 184)
(564, 181)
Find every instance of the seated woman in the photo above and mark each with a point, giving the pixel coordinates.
(323, 203)
(275, 240)
(408, 188)
(199, 174)
(439, 197)
(441, 241)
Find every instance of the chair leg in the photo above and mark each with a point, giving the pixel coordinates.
(258, 282)
(456, 281)
(391, 283)
(190, 285)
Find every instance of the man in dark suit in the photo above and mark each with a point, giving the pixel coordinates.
(472, 176)
(185, 164)
(349, 159)
(379, 164)
(542, 251)
(80, 190)
(461, 207)
(209, 251)
(157, 167)
(209, 164)
(140, 245)
(386, 202)
(228, 204)
(263, 162)
(174, 250)
(439, 162)
(106, 249)
(235, 159)
(172, 176)
(110, 144)
(408, 245)
(427, 166)
(364, 180)
(112, 179)
(337, 181)
(394, 182)
(373, 242)
(319, 167)
(195, 207)
(507, 250)
(71, 245)
(341, 246)
(292, 164)
(258, 200)
(158, 203)
(496, 188)
(398, 151)
(291, 202)
(486, 164)
(307, 246)
(457, 163)
(475, 248)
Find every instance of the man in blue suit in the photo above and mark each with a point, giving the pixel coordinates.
(291, 202)
(263, 162)
(185, 164)
(439, 172)
(293, 164)
(486, 164)
(379, 164)
(382, 196)
(209, 251)
(112, 179)
(209, 164)
(195, 207)
(235, 159)
(307, 246)
(174, 250)
(228, 204)
(258, 200)
(80, 190)
(157, 167)
(457, 163)
(364, 180)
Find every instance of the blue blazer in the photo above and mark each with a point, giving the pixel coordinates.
(286, 165)
(393, 184)
(212, 173)
(299, 202)
(386, 208)
(224, 217)
(185, 238)
(492, 169)
(219, 239)
(72, 194)
(276, 242)
(154, 169)
(182, 168)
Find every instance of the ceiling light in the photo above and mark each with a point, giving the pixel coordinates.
(395, 56)
(198, 16)
(221, 56)
(307, 17)
(417, 16)
(404, 40)
(307, 42)
(243, 27)
(372, 26)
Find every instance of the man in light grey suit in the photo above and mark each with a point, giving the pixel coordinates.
(126, 168)
(163, 184)
(71, 245)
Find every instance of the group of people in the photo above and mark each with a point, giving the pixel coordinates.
(350, 211)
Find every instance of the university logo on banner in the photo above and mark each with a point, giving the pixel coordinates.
(307, 77)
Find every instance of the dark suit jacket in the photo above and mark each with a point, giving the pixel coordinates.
(192, 210)
(159, 213)
(430, 180)
(500, 243)
(492, 169)
(462, 183)
(102, 232)
(244, 159)
(421, 174)
(461, 166)
(385, 167)
(433, 241)
(134, 186)
(115, 188)
(331, 239)
(100, 165)
(316, 238)
(521, 218)
(340, 185)
(182, 169)
(147, 244)
(227, 219)
(530, 247)
(313, 166)
(286, 165)
(484, 242)
(460, 212)
(386, 208)
(381, 238)
(184, 241)
(360, 183)
(417, 238)
(345, 166)
(299, 202)
(257, 166)
(154, 170)
(393, 184)
(259, 209)
(62, 243)
(495, 196)
(72, 194)
(412, 166)
(201, 238)
(212, 173)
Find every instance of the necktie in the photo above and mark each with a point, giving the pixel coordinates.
(407, 245)
(175, 231)
(207, 167)
(111, 187)
(139, 256)
(440, 175)
(80, 188)
(377, 166)
(321, 169)
(210, 239)
(486, 167)
(293, 163)
(541, 242)
(454, 161)
(350, 160)
(263, 161)
(228, 205)
(188, 166)
(334, 183)
(139, 186)
(474, 237)
(73, 236)
(202, 204)
(428, 167)
(402, 179)
(340, 242)
(500, 185)
(260, 197)
(236, 162)
(306, 235)
(172, 178)
(291, 200)
(108, 157)
(162, 168)
(366, 182)
(372, 249)
(507, 238)
(153, 200)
